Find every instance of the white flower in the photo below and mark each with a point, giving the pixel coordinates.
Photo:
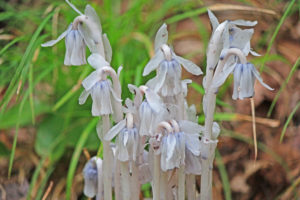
(244, 78)
(168, 65)
(85, 30)
(100, 88)
(151, 112)
(91, 170)
(127, 141)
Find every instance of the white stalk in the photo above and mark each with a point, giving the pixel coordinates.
(206, 176)
(107, 161)
(156, 178)
(135, 184)
(125, 180)
(117, 180)
(181, 183)
(191, 187)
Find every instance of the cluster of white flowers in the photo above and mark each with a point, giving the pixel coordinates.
(159, 114)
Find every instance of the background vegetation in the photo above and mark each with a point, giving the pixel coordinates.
(46, 136)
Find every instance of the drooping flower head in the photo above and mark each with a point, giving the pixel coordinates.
(127, 139)
(151, 112)
(84, 31)
(106, 98)
(91, 171)
(168, 65)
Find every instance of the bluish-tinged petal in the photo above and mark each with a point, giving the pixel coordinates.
(236, 80)
(78, 54)
(240, 22)
(91, 80)
(161, 37)
(171, 144)
(215, 131)
(97, 61)
(213, 20)
(115, 130)
(70, 46)
(241, 39)
(153, 63)
(258, 77)
(247, 83)
(53, 42)
(83, 96)
(222, 76)
(188, 65)
(107, 48)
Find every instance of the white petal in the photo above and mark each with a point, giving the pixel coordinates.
(53, 42)
(213, 20)
(125, 137)
(192, 163)
(215, 131)
(97, 61)
(99, 129)
(222, 76)
(153, 63)
(254, 53)
(91, 80)
(115, 130)
(83, 96)
(107, 48)
(243, 23)
(161, 37)
(70, 45)
(171, 144)
(74, 8)
(242, 38)
(161, 76)
(258, 77)
(193, 143)
(91, 13)
(190, 127)
(215, 45)
(153, 100)
(78, 53)
(247, 83)
(236, 80)
(188, 65)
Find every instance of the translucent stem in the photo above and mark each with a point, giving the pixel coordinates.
(125, 180)
(181, 183)
(107, 161)
(156, 178)
(135, 184)
(117, 179)
(191, 187)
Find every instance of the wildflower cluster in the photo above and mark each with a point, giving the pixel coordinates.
(157, 136)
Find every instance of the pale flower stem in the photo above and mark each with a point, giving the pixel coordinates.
(181, 183)
(107, 161)
(156, 178)
(164, 185)
(190, 186)
(100, 184)
(206, 176)
(125, 180)
(135, 184)
(117, 182)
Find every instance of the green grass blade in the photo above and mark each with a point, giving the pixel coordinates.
(201, 90)
(288, 121)
(283, 86)
(71, 92)
(282, 19)
(224, 176)
(11, 44)
(186, 15)
(41, 190)
(35, 177)
(76, 155)
(13, 84)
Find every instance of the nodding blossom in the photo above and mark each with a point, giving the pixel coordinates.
(244, 78)
(178, 145)
(168, 65)
(91, 171)
(84, 31)
(100, 88)
(151, 112)
(127, 140)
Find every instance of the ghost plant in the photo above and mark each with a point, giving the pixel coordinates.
(159, 114)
